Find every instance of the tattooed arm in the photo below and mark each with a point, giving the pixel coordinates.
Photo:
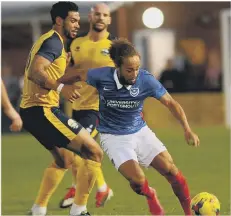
(37, 73)
(49, 51)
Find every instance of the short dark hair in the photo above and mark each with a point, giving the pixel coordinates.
(120, 49)
(61, 9)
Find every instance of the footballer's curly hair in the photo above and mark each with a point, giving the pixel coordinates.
(61, 9)
(121, 48)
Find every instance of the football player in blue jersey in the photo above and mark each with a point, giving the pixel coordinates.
(125, 136)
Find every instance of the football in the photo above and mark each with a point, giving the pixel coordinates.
(205, 204)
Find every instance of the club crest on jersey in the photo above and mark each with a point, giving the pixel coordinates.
(105, 52)
(134, 92)
(72, 123)
(77, 48)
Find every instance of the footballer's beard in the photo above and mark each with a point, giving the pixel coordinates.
(122, 79)
(66, 33)
(96, 29)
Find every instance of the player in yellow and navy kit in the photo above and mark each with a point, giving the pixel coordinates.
(40, 111)
(91, 50)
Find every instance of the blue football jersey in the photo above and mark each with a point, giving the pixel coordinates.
(121, 106)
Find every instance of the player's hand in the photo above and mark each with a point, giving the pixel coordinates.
(70, 92)
(192, 138)
(16, 124)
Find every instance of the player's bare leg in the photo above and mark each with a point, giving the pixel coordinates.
(164, 164)
(139, 184)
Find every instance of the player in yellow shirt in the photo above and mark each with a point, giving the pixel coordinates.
(90, 49)
(40, 111)
(99, 18)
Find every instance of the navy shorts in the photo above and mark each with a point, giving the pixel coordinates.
(50, 126)
(88, 119)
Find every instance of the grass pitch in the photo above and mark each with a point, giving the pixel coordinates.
(206, 168)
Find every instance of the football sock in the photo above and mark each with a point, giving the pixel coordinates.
(75, 166)
(146, 190)
(37, 210)
(73, 185)
(143, 189)
(51, 178)
(181, 190)
(150, 195)
(103, 188)
(86, 177)
(100, 182)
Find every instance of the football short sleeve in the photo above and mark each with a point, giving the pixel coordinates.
(92, 77)
(156, 89)
(51, 48)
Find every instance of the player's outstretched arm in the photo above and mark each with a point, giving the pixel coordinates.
(179, 114)
(73, 74)
(9, 110)
(76, 73)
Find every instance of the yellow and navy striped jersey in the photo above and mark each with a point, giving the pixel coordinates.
(50, 45)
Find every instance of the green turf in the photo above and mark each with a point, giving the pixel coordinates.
(207, 168)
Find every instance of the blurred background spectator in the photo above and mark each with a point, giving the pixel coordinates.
(213, 71)
(171, 77)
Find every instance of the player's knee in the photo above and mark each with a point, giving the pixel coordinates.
(68, 159)
(95, 153)
(60, 164)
